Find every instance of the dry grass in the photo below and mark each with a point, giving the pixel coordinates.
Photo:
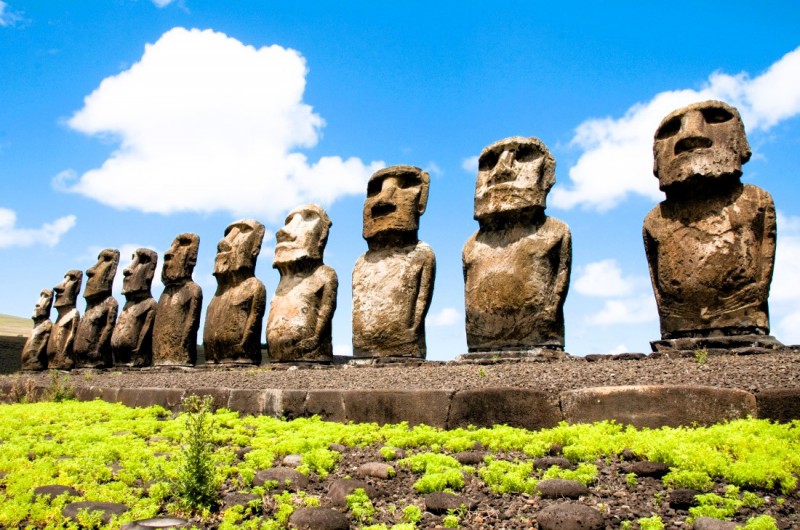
(15, 326)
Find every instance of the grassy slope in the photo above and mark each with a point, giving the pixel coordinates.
(13, 326)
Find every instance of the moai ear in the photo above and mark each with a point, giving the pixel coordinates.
(425, 182)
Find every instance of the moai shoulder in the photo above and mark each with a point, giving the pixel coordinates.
(34, 353)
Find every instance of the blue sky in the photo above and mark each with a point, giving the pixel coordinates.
(124, 123)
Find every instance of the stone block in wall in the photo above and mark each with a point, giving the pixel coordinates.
(220, 396)
(327, 404)
(247, 401)
(657, 405)
(517, 407)
(90, 393)
(393, 406)
(779, 404)
(169, 398)
(285, 403)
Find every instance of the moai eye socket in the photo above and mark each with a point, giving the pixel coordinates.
(526, 153)
(716, 115)
(488, 161)
(670, 128)
(374, 187)
(408, 180)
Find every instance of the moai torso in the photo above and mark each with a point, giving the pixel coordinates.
(711, 244)
(60, 345)
(34, 353)
(93, 338)
(517, 265)
(132, 341)
(235, 315)
(178, 311)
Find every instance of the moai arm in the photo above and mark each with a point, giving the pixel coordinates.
(192, 317)
(651, 251)
(327, 306)
(561, 285)
(423, 301)
(768, 244)
(257, 308)
(111, 320)
(70, 340)
(145, 335)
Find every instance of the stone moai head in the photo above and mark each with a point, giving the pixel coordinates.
(303, 236)
(67, 291)
(138, 276)
(514, 178)
(42, 309)
(238, 251)
(396, 198)
(180, 259)
(700, 142)
(101, 275)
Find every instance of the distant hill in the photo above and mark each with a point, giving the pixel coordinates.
(15, 326)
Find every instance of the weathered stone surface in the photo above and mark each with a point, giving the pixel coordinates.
(234, 316)
(292, 460)
(682, 498)
(169, 398)
(286, 477)
(239, 499)
(393, 280)
(657, 405)
(470, 458)
(711, 244)
(178, 311)
(779, 404)
(440, 503)
(556, 488)
(93, 338)
(132, 340)
(388, 406)
(341, 488)
(570, 516)
(34, 353)
(530, 409)
(60, 345)
(107, 509)
(219, 396)
(327, 404)
(318, 518)
(376, 470)
(55, 491)
(748, 344)
(301, 312)
(247, 401)
(156, 522)
(709, 523)
(546, 462)
(646, 468)
(517, 265)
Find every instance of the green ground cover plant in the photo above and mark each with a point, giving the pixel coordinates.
(158, 464)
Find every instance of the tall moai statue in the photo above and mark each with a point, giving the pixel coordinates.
(93, 338)
(301, 312)
(711, 243)
(517, 265)
(393, 280)
(132, 340)
(34, 353)
(232, 331)
(60, 345)
(178, 310)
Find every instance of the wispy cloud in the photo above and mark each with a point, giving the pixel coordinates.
(616, 159)
(206, 123)
(446, 317)
(604, 279)
(49, 234)
(630, 310)
(8, 17)
(470, 164)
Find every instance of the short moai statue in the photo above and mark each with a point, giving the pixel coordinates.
(393, 280)
(711, 243)
(132, 341)
(34, 353)
(232, 331)
(60, 345)
(178, 310)
(301, 312)
(517, 265)
(93, 339)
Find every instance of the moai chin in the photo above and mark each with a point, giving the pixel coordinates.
(60, 345)
(711, 243)
(132, 340)
(301, 312)
(234, 317)
(517, 265)
(93, 338)
(34, 353)
(393, 280)
(178, 310)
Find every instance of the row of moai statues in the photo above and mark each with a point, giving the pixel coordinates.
(710, 247)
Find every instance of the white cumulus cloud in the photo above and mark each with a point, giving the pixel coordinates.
(604, 279)
(785, 289)
(49, 234)
(206, 123)
(470, 164)
(617, 159)
(630, 310)
(446, 317)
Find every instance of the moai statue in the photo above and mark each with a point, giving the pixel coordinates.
(711, 243)
(299, 323)
(393, 280)
(234, 317)
(93, 338)
(60, 345)
(517, 265)
(132, 341)
(178, 311)
(34, 353)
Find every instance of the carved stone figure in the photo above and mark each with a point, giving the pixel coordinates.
(711, 243)
(178, 311)
(60, 345)
(301, 312)
(34, 353)
(517, 265)
(234, 317)
(132, 341)
(393, 280)
(93, 339)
